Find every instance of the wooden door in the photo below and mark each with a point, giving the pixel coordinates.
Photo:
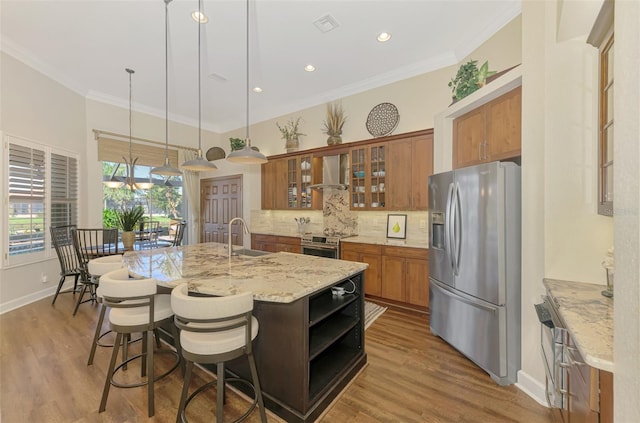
(221, 201)
(372, 278)
(417, 282)
(268, 177)
(399, 181)
(421, 168)
(504, 126)
(468, 138)
(393, 278)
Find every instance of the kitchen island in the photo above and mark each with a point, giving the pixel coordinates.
(310, 343)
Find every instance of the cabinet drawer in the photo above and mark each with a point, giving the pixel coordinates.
(370, 249)
(292, 240)
(406, 252)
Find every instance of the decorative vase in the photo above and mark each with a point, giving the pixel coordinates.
(128, 238)
(292, 144)
(334, 139)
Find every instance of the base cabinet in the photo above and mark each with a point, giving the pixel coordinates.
(276, 243)
(307, 351)
(590, 391)
(397, 274)
(365, 253)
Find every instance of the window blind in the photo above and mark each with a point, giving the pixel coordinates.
(64, 190)
(111, 150)
(27, 170)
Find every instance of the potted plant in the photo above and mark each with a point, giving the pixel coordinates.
(128, 219)
(236, 144)
(334, 123)
(469, 78)
(290, 134)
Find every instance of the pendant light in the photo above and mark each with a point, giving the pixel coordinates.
(131, 163)
(247, 155)
(199, 164)
(114, 181)
(166, 169)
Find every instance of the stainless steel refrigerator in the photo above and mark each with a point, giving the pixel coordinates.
(474, 264)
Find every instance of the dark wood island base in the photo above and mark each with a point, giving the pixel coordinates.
(307, 351)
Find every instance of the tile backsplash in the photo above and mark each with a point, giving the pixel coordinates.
(337, 216)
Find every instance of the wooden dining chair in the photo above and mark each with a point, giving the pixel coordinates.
(90, 244)
(148, 234)
(62, 240)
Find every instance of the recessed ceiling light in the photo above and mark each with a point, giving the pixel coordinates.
(257, 89)
(199, 17)
(384, 36)
(309, 68)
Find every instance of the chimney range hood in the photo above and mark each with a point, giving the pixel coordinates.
(334, 173)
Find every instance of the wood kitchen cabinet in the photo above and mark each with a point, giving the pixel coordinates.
(410, 164)
(490, 132)
(405, 275)
(368, 167)
(276, 243)
(397, 274)
(286, 183)
(365, 253)
(590, 390)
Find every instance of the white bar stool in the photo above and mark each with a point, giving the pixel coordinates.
(98, 267)
(216, 330)
(135, 307)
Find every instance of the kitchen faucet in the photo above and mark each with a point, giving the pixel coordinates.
(245, 230)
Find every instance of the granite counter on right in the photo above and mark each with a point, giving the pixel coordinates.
(588, 315)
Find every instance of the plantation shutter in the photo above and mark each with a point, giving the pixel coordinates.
(26, 198)
(64, 190)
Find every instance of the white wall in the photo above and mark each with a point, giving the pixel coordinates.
(35, 108)
(626, 347)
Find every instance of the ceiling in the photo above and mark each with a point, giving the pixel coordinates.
(86, 45)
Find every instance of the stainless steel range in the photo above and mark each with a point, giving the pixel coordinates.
(322, 245)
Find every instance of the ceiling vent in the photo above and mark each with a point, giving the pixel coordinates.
(326, 23)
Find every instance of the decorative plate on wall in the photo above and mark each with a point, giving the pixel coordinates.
(382, 119)
(215, 153)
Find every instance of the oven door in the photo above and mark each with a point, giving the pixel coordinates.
(320, 251)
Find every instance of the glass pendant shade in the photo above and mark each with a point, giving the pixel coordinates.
(166, 169)
(114, 183)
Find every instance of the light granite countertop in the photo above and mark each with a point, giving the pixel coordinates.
(274, 277)
(363, 239)
(588, 315)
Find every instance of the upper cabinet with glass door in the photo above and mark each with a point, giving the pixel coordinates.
(368, 175)
(299, 180)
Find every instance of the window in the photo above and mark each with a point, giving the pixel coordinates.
(162, 202)
(42, 190)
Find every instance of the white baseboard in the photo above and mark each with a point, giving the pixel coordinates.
(532, 387)
(33, 297)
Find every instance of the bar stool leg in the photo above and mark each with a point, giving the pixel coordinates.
(96, 336)
(220, 393)
(112, 365)
(185, 390)
(256, 387)
(150, 376)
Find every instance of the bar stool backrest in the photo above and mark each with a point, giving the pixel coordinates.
(118, 285)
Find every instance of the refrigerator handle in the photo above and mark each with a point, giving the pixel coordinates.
(455, 228)
(477, 304)
(448, 221)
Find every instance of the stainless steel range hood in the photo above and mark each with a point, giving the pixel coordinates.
(335, 171)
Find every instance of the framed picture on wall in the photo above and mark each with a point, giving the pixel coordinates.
(397, 226)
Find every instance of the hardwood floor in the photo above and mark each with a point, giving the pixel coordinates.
(412, 376)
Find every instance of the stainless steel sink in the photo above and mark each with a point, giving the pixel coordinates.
(249, 253)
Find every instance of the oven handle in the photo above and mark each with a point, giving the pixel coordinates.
(318, 247)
